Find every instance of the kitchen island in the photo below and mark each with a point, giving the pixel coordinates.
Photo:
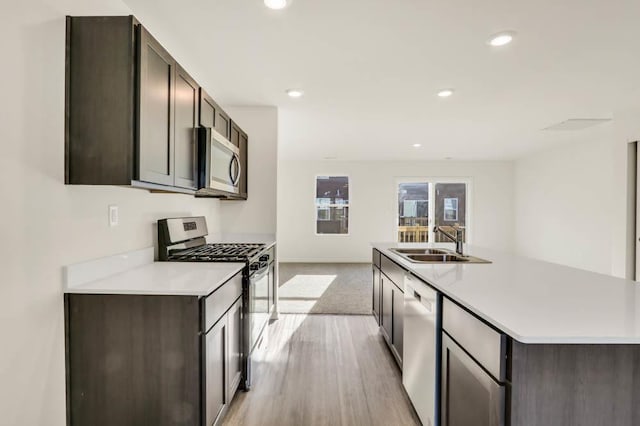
(520, 341)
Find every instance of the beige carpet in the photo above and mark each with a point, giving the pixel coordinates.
(325, 288)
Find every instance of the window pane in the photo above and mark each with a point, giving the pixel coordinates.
(333, 188)
(332, 205)
(450, 206)
(413, 212)
(334, 220)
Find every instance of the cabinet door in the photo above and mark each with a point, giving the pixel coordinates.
(234, 318)
(398, 321)
(223, 123)
(386, 321)
(376, 294)
(207, 110)
(470, 396)
(235, 134)
(215, 370)
(186, 109)
(156, 116)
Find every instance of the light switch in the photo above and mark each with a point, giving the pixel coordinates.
(113, 216)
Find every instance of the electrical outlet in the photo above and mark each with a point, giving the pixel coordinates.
(113, 216)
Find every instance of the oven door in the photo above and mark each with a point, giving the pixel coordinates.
(258, 302)
(223, 169)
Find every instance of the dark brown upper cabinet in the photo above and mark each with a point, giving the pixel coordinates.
(186, 143)
(157, 82)
(211, 115)
(235, 134)
(131, 110)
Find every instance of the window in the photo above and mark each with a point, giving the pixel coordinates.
(424, 204)
(332, 205)
(450, 209)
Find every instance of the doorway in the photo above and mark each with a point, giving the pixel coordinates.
(427, 203)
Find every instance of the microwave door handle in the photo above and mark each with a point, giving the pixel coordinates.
(235, 177)
(231, 171)
(239, 169)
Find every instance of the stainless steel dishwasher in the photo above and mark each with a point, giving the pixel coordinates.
(421, 362)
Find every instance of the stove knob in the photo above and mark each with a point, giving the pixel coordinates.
(254, 266)
(264, 258)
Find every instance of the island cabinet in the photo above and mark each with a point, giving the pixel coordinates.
(473, 370)
(153, 360)
(376, 297)
(130, 111)
(493, 380)
(392, 306)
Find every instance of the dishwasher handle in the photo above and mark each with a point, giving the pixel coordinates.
(427, 304)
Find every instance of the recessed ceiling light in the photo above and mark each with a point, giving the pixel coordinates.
(275, 4)
(501, 39)
(417, 145)
(295, 93)
(445, 93)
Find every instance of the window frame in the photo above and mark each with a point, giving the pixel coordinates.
(329, 206)
(432, 180)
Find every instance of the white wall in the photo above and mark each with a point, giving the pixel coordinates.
(571, 201)
(373, 205)
(258, 213)
(45, 224)
(563, 205)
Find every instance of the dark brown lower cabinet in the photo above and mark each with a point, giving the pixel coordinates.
(375, 309)
(234, 317)
(398, 323)
(223, 363)
(386, 317)
(150, 360)
(470, 396)
(574, 385)
(215, 364)
(133, 360)
(392, 316)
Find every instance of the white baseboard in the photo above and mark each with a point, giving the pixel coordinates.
(317, 260)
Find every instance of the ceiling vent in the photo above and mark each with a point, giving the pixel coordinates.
(577, 123)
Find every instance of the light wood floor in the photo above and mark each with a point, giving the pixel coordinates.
(324, 370)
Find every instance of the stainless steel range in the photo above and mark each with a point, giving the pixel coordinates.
(183, 240)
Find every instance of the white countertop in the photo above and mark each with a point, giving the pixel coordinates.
(534, 301)
(137, 273)
(164, 278)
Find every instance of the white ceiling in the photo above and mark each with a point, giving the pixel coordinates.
(370, 70)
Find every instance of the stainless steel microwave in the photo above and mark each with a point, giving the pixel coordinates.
(219, 167)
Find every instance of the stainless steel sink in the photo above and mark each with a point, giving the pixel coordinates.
(429, 255)
(434, 258)
(409, 251)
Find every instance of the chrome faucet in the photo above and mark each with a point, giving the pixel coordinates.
(458, 238)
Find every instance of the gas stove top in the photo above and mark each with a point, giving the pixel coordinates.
(183, 239)
(218, 252)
